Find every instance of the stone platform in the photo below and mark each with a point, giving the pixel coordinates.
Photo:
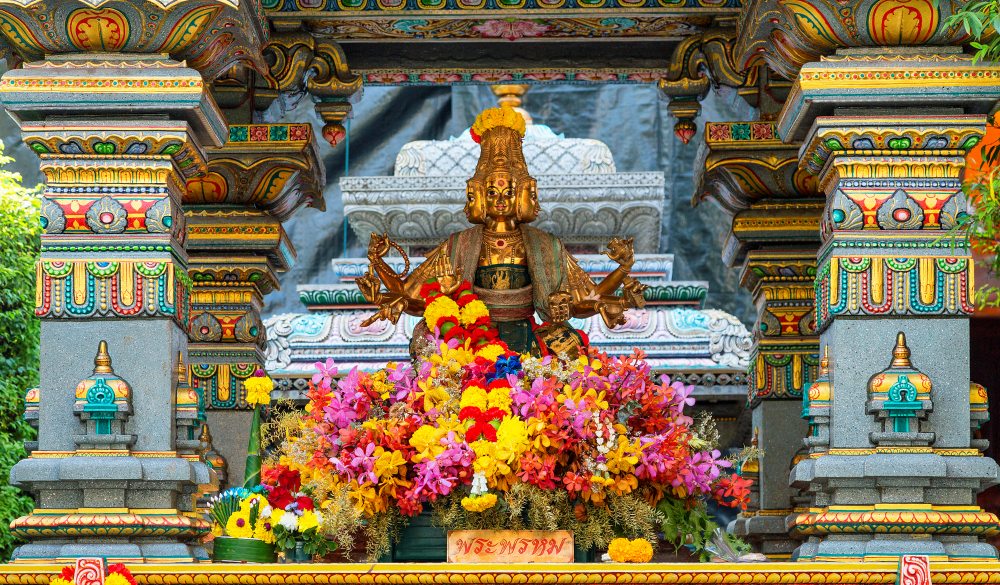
(467, 574)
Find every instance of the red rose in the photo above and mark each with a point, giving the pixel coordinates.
(305, 503)
(279, 497)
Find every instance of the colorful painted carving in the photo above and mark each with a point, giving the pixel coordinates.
(904, 285)
(123, 288)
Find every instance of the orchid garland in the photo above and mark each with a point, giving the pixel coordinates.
(488, 438)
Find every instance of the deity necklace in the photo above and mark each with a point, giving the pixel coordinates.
(502, 248)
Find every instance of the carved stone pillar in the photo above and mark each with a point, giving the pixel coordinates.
(117, 100)
(774, 238)
(113, 268)
(893, 296)
(237, 248)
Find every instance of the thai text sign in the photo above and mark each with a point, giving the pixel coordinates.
(510, 546)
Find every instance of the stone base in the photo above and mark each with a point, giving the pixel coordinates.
(121, 507)
(766, 533)
(230, 436)
(158, 552)
(859, 548)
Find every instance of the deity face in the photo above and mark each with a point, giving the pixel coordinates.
(500, 199)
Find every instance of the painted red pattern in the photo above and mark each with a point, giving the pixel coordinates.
(914, 570)
(46, 294)
(139, 296)
(89, 571)
(889, 292)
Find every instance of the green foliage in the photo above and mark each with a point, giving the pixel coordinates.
(691, 525)
(19, 232)
(980, 19)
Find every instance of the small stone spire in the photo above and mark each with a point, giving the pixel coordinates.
(901, 353)
(102, 361)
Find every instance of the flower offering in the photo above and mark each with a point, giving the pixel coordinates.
(487, 438)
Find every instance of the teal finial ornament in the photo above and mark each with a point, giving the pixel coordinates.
(901, 406)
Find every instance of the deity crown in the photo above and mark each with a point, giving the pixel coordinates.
(502, 117)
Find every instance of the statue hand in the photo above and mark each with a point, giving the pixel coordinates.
(390, 308)
(559, 306)
(446, 275)
(378, 246)
(370, 286)
(612, 311)
(632, 292)
(621, 251)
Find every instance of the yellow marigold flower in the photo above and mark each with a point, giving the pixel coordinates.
(512, 439)
(262, 532)
(479, 503)
(499, 398)
(114, 579)
(473, 312)
(620, 550)
(642, 551)
(258, 390)
(490, 352)
(504, 116)
(438, 309)
(474, 396)
(239, 526)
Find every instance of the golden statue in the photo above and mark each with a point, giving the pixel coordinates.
(515, 269)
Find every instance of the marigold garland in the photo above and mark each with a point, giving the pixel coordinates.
(504, 116)
(623, 550)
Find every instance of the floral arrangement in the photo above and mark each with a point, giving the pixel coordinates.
(637, 550)
(117, 574)
(242, 513)
(488, 439)
(294, 516)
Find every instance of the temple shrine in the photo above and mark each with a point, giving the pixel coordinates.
(509, 371)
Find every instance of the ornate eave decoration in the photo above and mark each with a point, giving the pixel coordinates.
(787, 34)
(273, 167)
(745, 162)
(210, 35)
(353, 20)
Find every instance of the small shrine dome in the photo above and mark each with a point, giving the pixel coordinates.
(901, 372)
(103, 389)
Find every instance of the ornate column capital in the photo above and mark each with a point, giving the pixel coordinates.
(787, 34)
(211, 36)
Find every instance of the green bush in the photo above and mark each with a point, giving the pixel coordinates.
(19, 244)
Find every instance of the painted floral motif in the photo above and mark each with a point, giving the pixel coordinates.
(511, 29)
